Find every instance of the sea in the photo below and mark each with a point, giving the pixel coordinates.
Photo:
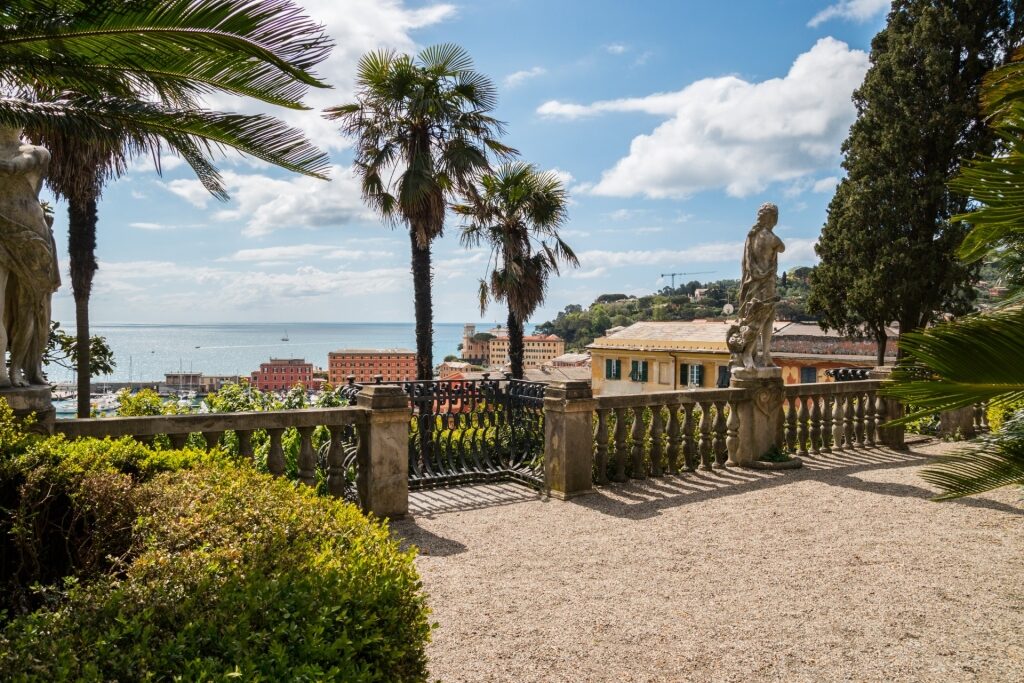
(145, 352)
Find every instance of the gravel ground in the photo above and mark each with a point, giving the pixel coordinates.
(841, 571)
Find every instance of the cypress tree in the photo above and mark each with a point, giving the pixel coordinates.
(887, 250)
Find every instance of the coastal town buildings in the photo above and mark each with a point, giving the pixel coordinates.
(281, 374)
(177, 382)
(394, 365)
(649, 357)
(490, 349)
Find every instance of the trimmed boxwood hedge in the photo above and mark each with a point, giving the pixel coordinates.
(181, 565)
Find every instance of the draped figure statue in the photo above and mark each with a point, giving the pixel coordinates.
(29, 274)
(749, 339)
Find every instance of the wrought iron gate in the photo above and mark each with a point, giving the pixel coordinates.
(471, 431)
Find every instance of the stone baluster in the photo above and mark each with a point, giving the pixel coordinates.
(178, 440)
(802, 418)
(656, 431)
(789, 406)
(869, 419)
(675, 439)
(705, 436)
(306, 460)
(212, 439)
(275, 457)
(601, 451)
(689, 445)
(718, 442)
(849, 429)
(979, 417)
(620, 443)
(859, 424)
(838, 429)
(636, 436)
(732, 437)
(827, 440)
(244, 443)
(984, 418)
(336, 480)
(816, 425)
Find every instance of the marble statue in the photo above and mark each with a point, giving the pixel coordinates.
(749, 339)
(29, 274)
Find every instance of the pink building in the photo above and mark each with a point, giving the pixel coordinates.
(281, 374)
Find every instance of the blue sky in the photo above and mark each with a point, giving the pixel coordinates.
(670, 121)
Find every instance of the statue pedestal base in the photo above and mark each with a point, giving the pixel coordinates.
(760, 418)
(28, 400)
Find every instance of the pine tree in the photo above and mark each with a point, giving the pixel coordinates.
(888, 247)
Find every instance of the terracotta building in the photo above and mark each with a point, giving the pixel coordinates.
(537, 348)
(281, 374)
(395, 365)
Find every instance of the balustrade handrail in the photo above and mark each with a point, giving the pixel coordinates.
(832, 388)
(153, 425)
(669, 398)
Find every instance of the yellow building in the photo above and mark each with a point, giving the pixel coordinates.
(537, 348)
(648, 357)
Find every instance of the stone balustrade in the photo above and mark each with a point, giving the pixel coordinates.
(370, 436)
(832, 417)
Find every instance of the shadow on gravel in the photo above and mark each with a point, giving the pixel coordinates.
(409, 533)
(645, 498)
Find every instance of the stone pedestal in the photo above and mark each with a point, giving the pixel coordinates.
(760, 418)
(34, 400)
(957, 422)
(890, 437)
(569, 439)
(383, 477)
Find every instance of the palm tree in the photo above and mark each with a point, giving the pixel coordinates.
(517, 210)
(100, 83)
(422, 129)
(981, 357)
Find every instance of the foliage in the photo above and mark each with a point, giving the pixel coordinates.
(62, 350)
(517, 210)
(775, 454)
(125, 563)
(979, 358)
(423, 129)
(918, 116)
(579, 326)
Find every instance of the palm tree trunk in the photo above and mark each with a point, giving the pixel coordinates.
(82, 251)
(422, 277)
(515, 345)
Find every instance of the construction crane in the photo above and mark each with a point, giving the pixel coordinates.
(673, 275)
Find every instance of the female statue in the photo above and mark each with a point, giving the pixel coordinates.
(753, 330)
(29, 274)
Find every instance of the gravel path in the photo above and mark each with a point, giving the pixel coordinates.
(841, 571)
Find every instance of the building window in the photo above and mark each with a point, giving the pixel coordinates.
(638, 371)
(612, 368)
(723, 376)
(808, 375)
(692, 375)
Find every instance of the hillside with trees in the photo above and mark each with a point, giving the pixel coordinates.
(579, 326)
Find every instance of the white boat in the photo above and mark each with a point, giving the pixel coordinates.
(285, 337)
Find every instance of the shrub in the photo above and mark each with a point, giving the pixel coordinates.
(236, 574)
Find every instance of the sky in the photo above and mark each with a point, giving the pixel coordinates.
(670, 121)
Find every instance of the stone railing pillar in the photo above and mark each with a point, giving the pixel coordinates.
(888, 409)
(569, 439)
(383, 478)
(760, 419)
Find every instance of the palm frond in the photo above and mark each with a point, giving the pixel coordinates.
(994, 461)
(975, 359)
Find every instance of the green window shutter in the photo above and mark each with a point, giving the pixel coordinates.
(684, 374)
(618, 369)
(643, 371)
(699, 379)
(609, 369)
(634, 371)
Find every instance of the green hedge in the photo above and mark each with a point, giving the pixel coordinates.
(181, 565)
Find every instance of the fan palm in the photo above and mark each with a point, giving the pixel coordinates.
(981, 357)
(99, 83)
(423, 130)
(518, 211)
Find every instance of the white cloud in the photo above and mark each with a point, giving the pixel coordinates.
(731, 133)
(616, 48)
(825, 185)
(519, 77)
(853, 10)
(150, 226)
(797, 251)
(303, 252)
(268, 204)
